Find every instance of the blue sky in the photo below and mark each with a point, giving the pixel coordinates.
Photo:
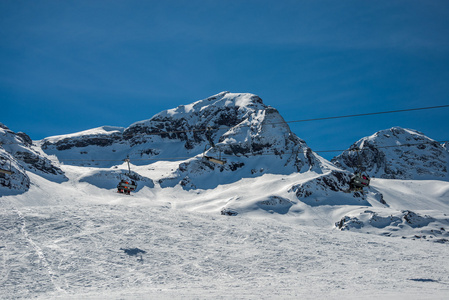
(67, 66)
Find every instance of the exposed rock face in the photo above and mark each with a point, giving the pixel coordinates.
(19, 155)
(398, 153)
(18, 181)
(187, 123)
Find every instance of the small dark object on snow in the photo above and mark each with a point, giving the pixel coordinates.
(228, 212)
(423, 280)
(133, 251)
(441, 241)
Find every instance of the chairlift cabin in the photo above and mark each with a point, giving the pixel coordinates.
(215, 160)
(127, 185)
(212, 145)
(6, 170)
(359, 180)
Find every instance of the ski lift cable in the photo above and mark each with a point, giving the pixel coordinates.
(354, 149)
(299, 121)
(369, 114)
(274, 123)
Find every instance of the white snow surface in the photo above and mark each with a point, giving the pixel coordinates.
(67, 240)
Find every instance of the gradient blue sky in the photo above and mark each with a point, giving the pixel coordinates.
(67, 66)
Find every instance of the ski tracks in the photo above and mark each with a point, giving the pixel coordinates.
(38, 251)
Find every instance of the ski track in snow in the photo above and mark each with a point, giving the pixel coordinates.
(37, 249)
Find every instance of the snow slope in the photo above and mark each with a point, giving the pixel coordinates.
(72, 239)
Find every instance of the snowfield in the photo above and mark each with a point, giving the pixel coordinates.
(74, 240)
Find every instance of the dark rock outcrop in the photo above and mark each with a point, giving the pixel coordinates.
(397, 153)
(18, 155)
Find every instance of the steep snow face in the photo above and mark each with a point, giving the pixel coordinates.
(19, 155)
(398, 153)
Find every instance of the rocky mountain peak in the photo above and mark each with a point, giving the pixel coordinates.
(252, 136)
(397, 153)
(240, 122)
(222, 110)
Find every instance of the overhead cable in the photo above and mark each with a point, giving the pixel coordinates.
(283, 122)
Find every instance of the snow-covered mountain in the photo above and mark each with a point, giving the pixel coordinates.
(270, 212)
(397, 153)
(238, 127)
(251, 137)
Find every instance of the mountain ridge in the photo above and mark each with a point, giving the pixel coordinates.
(397, 153)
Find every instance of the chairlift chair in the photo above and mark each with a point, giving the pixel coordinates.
(214, 160)
(212, 145)
(360, 179)
(6, 171)
(126, 186)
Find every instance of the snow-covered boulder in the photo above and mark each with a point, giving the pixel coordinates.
(108, 178)
(328, 189)
(406, 223)
(397, 153)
